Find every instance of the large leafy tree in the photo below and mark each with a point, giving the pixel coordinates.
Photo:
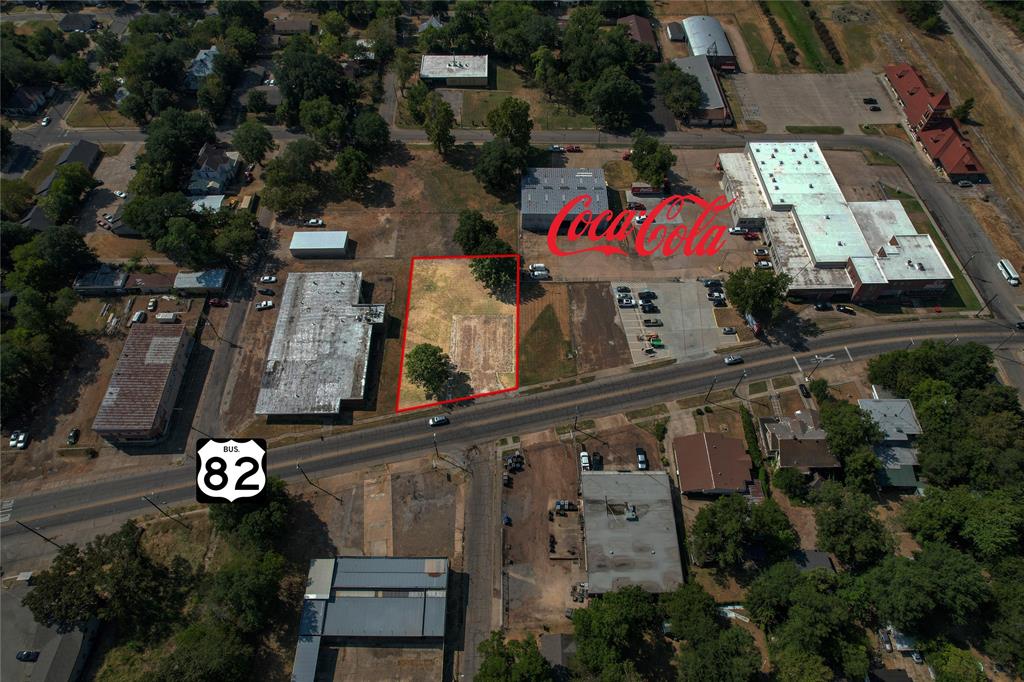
(76, 72)
(51, 260)
(500, 166)
(305, 74)
(680, 91)
(519, 29)
(255, 524)
(724, 531)
(351, 172)
(245, 591)
(989, 525)
(474, 230)
(438, 121)
(70, 182)
(848, 526)
(253, 141)
(651, 159)
(496, 274)
(512, 661)
(762, 293)
(613, 98)
(428, 366)
(511, 121)
(615, 630)
(173, 140)
(1005, 639)
(370, 134)
(16, 197)
(729, 656)
(293, 179)
(327, 123)
(206, 650)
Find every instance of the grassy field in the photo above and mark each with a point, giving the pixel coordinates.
(112, 148)
(759, 51)
(799, 26)
(47, 162)
(544, 352)
(652, 411)
(860, 51)
(450, 309)
(30, 27)
(619, 174)
(878, 158)
(90, 113)
(507, 83)
(815, 130)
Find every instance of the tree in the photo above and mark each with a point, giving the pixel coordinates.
(952, 664)
(416, 100)
(64, 597)
(381, 32)
(71, 180)
(16, 197)
(187, 242)
(293, 179)
(768, 598)
(692, 614)
(730, 656)
(51, 260)
(725, 530)
(429, 367)
(545, 71)
(206, 650)
(351, 172)
(474, 230)
(334, 24)
(173, 141)
(257, 103)
(496, 274)
(255, 524)
(962, 111)
(680, 91)
(651, 159)
(438, 121)
(213, 96)
(500, 166)
(794, 664)
(303, 74)
(613, 98)
(133, 106)
(987, 525)
(791, 481)
(615, 629)
(519, 29)
(107, 84)
(253, 141)
(762, 293)
(6, 139)
(245, 591)
(405, 67)
(242, 41)
(12, 235)
(848, 527)
(109, 48)
(371, 135)
(1005, 640)
(76, 72)
(511, 121)
(512, 661)
(236, 237)
(327, 123)
(925, 14)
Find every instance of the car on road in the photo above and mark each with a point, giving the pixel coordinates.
(760, 252)
(1019, 325)
(728, 331)
(846, 309)
(139, 317)
(556, 148)
(650, 309)
(752, 236)
(763, 264)
(965, 183)
(622, 290)
(653, 322)
(438, 420)
(737, 230)
(574, 148)
(804, 391)
(45, 121)
(733, 359)
(266, 292)
(874, 107)
(584, 461)
(264, 305)
(27, 656)
(73, 436)
(635, 206)
(823, 305)
(218, 303)
(870, 100)
(641, 459)
(268, 279)
(627, 302)
(316, 222)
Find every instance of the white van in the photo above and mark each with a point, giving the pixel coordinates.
(538, 266)
(1006, 268)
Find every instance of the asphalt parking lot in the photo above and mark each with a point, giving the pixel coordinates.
(689, 331)
(814, 100)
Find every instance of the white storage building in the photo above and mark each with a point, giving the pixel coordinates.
(330, 244)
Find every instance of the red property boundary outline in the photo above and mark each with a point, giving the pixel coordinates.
(405, 331)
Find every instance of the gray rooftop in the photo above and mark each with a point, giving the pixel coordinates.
(319, 239)
(706, 36)
(620, 551)
(319, 355)
(453, 66)
(204, 279)
(546, 190)
(895, 417)
(700, 67)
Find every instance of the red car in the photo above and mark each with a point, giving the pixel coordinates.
(752, 236)
(626, 155)
(218, 303)
(574, 148)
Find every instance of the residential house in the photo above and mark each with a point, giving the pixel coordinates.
(83, 152)
(37, 220)
(432, 22)
(640, 30)
(798, 442)
(897, 453)
(710, 464)
(674, 31)
(293, 26)
(77, 23)
(26, 100)
(216, 167)
(811, 559)
(201, 67)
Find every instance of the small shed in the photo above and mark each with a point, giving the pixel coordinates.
(674, 31)
(330, 244)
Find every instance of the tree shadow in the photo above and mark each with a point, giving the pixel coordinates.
(397, 154)
(83, 371)
(464, 157)
(459, 385)
(531, 290)
(793, 331)
(378, 194)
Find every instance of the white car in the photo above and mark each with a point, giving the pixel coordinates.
(733, 359)
(556, 148)
(584, 461)
(439, 420)
(120, 194)
(737, 230)
(639, 220)
(540, 274)
(19, 439)
(627, 302)
(315, 221)
(537, 266)
(264, 305)
(45, 121)
(268, 279)
(763, 265)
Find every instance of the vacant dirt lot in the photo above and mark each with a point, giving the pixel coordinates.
(443, 291)
(538, 586)
(601, 342)
(617, 447)
(545, 341)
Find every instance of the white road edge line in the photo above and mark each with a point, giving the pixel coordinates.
(848, 354)
(798, 367)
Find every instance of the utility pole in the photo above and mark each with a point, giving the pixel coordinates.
(160, 509)
(34, 531)
(743, 376)
(818, 359)
(438, 455)
(309, 481)
(955, 339)
(707, 395)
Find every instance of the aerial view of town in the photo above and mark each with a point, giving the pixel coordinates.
(511, 340)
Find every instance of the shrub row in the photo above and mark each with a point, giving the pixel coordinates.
(787, 46)
(826, 36)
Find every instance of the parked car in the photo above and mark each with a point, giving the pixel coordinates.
(152, 304)
(733, 359)
(537, 266)
(19, 440)
(650, 309)
(716, 295)
(640, 218)
(438, 420)
(575, 148)
(218, 303)
(823, 305)
(266, 292)
(965, 183)
(737, 230)
(540, 274)
(708, 283)
(760, 252)
(627, 154)
(556, 148)
(45, 121)
(653, 322)
(627, 302)
(27, 656)
(719, 303)
(763, 264)
(870, 100)
(109, 217)
(73, 436)
(119, 194)
(846, 309)
(917, 657)
(1019, 325)
(804, 391)
(584, 461)
(641, 459)
(874, 107)
(268, 279)
(139, 317)
(264, 305)
(635, 206)
(622, 290)
(316, 222)
(752, 236)
(728, 331)
(647, 295)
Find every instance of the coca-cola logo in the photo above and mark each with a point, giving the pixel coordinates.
(656, 233)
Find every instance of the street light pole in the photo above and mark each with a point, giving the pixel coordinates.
(323, 490)
(714, 380)
(738, 381)
(159, 509)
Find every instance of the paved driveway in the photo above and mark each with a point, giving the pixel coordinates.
(689, 331)
(813, 100)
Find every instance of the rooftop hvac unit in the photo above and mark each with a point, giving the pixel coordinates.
(920, 266)
(631, 513)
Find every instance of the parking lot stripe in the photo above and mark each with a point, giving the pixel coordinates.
(848, 353)
(6, 507)
(798, 367)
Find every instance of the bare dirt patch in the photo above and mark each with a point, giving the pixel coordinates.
(483, 346)
(616, 447)
(601, 341)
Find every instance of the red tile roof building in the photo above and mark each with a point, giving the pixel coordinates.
(712, 464)
(928, 115)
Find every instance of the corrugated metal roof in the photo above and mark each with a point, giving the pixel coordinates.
(706, 36)
(546, 190)
(700, 68)
(321, 579)
(375, 617)
(311, 622)
(307, 654)
(332, 239)
(205, 279)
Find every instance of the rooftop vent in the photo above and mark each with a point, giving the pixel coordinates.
(631, 512)
(920, 266)
(910, 262)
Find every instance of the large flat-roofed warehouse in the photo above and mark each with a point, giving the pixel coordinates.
(453, 71)
(861, 251)
(140, 397)
(384, 601)
(630, 531)
(714, 108)
(544, 191)
(707, 37)
(329, 244)
(319, 356)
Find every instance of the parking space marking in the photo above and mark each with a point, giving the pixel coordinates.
(6, 508)
(848, 354)
(798, 367)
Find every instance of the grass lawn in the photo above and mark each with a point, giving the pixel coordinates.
(784, 381)
(112, 148)
(878, 159)
(758, 387)
(619, 174)
(857, 40)
(47, 162)
(798, 22)
(507, 83)
(815, 130)
(759, 51)
(652, 411)
(90, 113)
(30, 27)
(581, 425)
(544, 351)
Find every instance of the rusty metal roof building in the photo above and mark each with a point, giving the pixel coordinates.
(144, 386)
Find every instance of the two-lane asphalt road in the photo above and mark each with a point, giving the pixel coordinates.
(119, 498)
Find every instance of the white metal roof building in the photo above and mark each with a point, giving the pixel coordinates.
(319, 355)
(544, 191)
(454, 70)
(706, 36)
(320, 244)
(715, 109)
(384, 598)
